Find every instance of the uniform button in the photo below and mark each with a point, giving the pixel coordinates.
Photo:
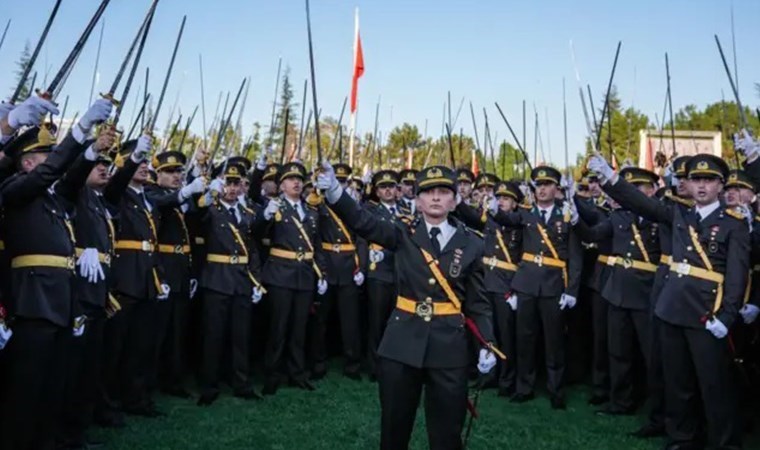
(628, 255)
(431, 281)
(689, 248)
(542, 241)
(428, 300)
(633, 243)
(714, 291)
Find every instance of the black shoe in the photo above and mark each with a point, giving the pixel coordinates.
(247, 394)
(506, 392)
(317, 375)
(596, 400)
(356, 376)
(649, 430)
(147, 410)
(270, 388)
(614, 412)
(177, 391)
(521, 398)
(303, 384)
(558, 402)
(207, 398)
(110, 418)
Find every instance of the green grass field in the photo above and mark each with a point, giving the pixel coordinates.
(343, 414)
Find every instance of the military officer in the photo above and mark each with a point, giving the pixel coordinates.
(407, 179)
(439, 277)
(465, 181)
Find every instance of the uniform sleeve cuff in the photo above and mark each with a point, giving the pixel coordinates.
(78, 134)
(90, 154)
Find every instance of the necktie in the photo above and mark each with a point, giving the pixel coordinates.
(543, 216)
(299, 211)
(147, 204)
(434, 233)
(232, 215)
(393, 210)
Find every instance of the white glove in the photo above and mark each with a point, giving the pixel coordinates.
(5, 335)
(328, 182)
(749, 313)
(716, 327)
(144, 145)
(747, 215)
(486, 361)
(193, 287)
(599, 166)
(217, 186)
(568, 207)
(98, 113)
(565, 182)
(272, 208)
(566, 301)
(746, 145)
(376, 256)
(89, 266)
(31, 112)
(196, 187)
(256, 295)
(493, 206)
(367, 177)
(165, 289)
(5, 109)
(359, 278)
(261, 162)
(321, 287)
(512, 301)
(79, 323)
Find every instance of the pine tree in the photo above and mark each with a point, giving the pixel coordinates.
(23, 61)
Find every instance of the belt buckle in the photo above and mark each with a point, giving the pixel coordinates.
(107, 259)
(683, 269)
(300, 256)
(336, 248)
(146, 247)
(178, 249)
(234, 259)
(70, 263)
(424, 310)
(627, 263)
(539, 260)
(611, 260)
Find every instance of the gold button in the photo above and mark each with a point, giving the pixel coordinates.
(431, 281)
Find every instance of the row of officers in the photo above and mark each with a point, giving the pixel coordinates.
(118, 260)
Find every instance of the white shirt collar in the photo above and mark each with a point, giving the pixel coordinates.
(227, 206)
(704, 211)
(447, 231)
(138, 190)
(388, 206)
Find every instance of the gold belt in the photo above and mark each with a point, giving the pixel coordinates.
(175, 249)
(684, 269)
(666, 259)
(60, 262)
(227, 259)
(541, 260)
(603, 259)
(495, 262)
(338, 248)
(142, 246)
(104, 258)
(629, 263)
(426, 309)
(287, 254)
(2, 245)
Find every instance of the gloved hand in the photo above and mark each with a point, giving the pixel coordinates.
(359, 278)
(196, 187)
(257, 295)
(599, 166)
(367, 177)
(493, 206)
(749, 313)
(328, 182)
(5, 109)
(193, 287)
(89, 266)
(569, 208)
(376, 256)
(744, 143)
(31, 112)
(321, 287)
(566, 301)
(164, 294)
(745, 211)
(486, 361)
(512, 301)
(217, 186)
(144, 145)
(716, 327)
(98, 113)
(272, 208)
(261, 162)
(5, 334)
(79, 324)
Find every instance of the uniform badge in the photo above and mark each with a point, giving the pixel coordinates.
(712, 247)
(277, 216)
(455, 269)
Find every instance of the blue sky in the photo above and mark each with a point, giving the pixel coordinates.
(415, 51)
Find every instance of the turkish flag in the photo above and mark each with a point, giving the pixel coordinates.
(358, 65)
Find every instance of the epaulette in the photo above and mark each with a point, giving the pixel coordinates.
(734, 213)
(476, 232)
(373, 203)
(524, 206)
(603, 208)
(314, 200)
(248, 210)
(406, 219)
(677, 199)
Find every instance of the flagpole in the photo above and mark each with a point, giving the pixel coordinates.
(353, 111)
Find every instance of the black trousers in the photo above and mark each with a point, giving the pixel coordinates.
(445, 404)
(579, 338)
(34, 384)
(382, 301)
(532, 314)
(172, 340)
(129, 352)
(627, 328)
(697, 364)
(225, 315)
(287, 332)
(655, 376)
(347, 300)
(600, 368)
(505, 321)
(83, 382)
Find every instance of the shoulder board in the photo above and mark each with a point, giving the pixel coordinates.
(248, 210)
(734, 213)
(373, 203)
(524, 206)
(680, 200)
(475, 232)
(406, 219)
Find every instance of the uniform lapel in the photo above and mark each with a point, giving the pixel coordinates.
(458, 240)
(422, 239)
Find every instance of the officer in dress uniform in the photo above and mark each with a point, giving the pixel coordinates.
(381, 274)
(503, 248)
(485, 183)
(439, 278)
(40, 243)
(174, 252)
(407, 180)
(139, 284)
(296, 265)
(230, 281)
(465, 181)
(633, 262)
(344, 276)
(699, 302)
(552, 254)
